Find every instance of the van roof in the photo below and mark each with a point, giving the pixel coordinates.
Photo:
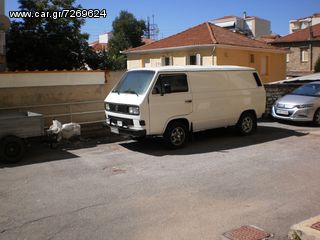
(195, 68)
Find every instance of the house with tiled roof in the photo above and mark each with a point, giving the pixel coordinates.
(303, 50)
(208, 44)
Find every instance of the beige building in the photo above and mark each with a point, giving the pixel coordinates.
(247, 25)
(303, 50)
(208, 44)
(302, 23)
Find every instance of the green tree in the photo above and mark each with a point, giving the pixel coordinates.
(46, 43)
(127, 33)
(317, 65)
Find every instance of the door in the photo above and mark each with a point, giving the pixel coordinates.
(170, 98)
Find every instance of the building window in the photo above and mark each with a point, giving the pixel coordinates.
(195, 59)
(147, 63)
(251, 58)
(304, 55)
(264, 66)
(166, 61)
(288, 57)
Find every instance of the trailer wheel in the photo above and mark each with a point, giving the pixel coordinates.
(12, 149)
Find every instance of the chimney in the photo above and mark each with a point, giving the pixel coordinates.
(311, 36)
(244, 15)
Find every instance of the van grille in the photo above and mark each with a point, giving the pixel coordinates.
(119, 108)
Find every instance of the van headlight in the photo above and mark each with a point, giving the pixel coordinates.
(107, 106)
(305, 106)
(134, 110)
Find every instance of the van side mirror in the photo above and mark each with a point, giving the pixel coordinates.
(167, 88)
(155, 90)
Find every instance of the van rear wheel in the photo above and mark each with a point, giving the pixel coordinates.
(176, 135)
(247, 124)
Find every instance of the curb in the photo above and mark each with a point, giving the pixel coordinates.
(306, 230)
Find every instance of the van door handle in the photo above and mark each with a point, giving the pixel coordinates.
(188, 101)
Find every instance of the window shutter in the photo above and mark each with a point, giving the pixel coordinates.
(163, 61)
(171, 61)
(198, 56)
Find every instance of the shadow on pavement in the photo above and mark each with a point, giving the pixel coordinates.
(287, 122)
(218, 140)
(40, 153)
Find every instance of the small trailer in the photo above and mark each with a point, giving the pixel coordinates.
(15, 129)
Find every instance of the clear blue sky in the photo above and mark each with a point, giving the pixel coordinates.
(175, 16)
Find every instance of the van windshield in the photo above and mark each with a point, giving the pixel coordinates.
(312, 90)
(134, 82)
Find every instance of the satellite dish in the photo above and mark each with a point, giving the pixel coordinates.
(4, 23)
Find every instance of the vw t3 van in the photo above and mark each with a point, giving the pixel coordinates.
(173, 102)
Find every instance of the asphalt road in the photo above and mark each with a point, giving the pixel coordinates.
(130, 190)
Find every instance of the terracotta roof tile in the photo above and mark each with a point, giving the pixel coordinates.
(203, 34)
(302, 35)
(99, 46)
(197, 35)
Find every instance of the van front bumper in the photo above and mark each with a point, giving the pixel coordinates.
(128, 132)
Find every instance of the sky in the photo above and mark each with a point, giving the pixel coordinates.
(176, 16)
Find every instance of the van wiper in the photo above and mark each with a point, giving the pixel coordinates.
(131, 91)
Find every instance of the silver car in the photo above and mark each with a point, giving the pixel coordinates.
(303, 104)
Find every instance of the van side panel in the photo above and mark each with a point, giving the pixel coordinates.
(219, 97)
(209, 99)
(255, 97)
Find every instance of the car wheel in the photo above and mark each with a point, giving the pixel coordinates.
(176, 135)
(12, 149)
(316, 118)
(247, 124)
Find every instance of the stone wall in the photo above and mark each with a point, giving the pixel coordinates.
(276, 91)
(295, 63)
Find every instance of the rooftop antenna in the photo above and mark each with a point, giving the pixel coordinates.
(152, 31)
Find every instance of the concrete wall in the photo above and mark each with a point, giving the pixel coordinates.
(261, 27)
(179, 58)
(68, 96)
(276, 62)
(276, 65)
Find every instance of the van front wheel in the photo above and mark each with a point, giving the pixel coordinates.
(247, 124)
(176, 135)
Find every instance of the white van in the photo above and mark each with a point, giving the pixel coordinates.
(175, 101)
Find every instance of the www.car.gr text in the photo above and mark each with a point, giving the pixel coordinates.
(65, 13)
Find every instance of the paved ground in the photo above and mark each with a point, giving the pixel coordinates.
(130, 190)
